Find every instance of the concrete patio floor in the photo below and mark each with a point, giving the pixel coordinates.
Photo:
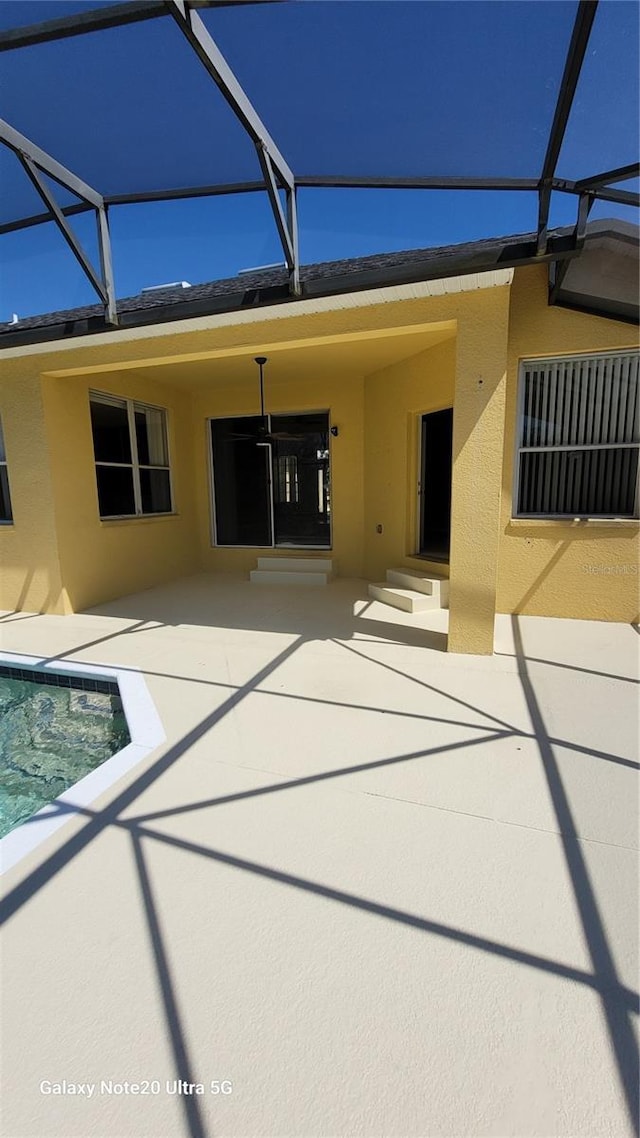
(381, 890)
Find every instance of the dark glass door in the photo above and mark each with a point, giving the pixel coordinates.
(301, 488)
(435, 484)
(241, 477)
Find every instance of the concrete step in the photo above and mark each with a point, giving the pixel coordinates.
(287, 577)
(298, 564)
(430, 584)
(409, 600)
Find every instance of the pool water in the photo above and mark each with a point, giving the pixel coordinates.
(51, 737)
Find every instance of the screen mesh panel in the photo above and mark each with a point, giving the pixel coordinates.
(127, 109)
(402, 88)
(385, 89)
(380, 90)
(604, 125)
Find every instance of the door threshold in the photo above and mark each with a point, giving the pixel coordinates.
(438, 557)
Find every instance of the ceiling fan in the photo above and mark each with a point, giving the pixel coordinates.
(264, 436)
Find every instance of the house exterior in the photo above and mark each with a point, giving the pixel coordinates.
(437, 413)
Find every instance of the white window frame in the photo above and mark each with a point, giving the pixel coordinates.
(548, 361)
(135, 465)
(3, 462)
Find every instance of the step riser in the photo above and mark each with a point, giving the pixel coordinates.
(297, 564)
(273, 577)
(430, 586)
(417, 603)
(406, 581)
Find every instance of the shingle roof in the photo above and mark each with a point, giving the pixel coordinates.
(271, 285)
(259, 279)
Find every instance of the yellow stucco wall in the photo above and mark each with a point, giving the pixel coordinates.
(583, 569)
(467, 371)
(478, 430)
(395, 399)
(101, 560)
(29, 565)
(59, 556)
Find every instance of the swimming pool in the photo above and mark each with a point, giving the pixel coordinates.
(65, 741)
(54, 730)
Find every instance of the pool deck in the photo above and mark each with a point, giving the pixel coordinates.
(381, 890)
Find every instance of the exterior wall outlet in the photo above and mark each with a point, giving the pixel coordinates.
(379, 527)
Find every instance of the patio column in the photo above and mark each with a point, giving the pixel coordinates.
(478, 444)
(30, 576)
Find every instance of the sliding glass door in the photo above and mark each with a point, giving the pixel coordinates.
(241, 482)
(272, 489)
(301, 501)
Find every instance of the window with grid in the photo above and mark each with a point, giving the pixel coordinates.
(132, 457)
(6, 514)
(578, 437)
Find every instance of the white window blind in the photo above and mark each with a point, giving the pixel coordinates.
(578, 437)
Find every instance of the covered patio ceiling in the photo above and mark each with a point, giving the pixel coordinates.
(350, 357)
(223, 97)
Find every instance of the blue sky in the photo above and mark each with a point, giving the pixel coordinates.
(361, 101)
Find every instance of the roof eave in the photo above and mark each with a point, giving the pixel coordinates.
(608, 309)
(499, 256)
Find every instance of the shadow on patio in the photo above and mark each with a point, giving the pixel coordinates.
(469, 731)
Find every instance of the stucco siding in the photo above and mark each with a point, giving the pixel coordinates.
(376, 369)
(99, 559)
(30, 575)
(582, 569)
(395, 399)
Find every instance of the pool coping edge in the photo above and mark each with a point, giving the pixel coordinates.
(146, 733)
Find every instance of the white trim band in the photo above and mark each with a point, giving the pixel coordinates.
(444, 286)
